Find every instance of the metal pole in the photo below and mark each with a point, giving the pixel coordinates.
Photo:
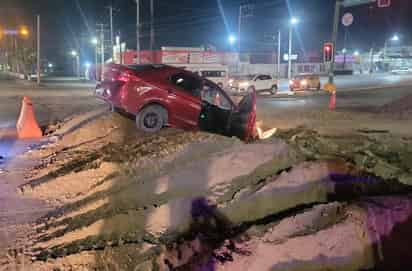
(239, 29)
(96, 62)
(334, 40)
(278, 69)
(152, 33)
(344, 47)
(38, 50)
(138, 30)
(111, 31)
(78, 65)
(290, 53)
(371, 60)
(102, 51)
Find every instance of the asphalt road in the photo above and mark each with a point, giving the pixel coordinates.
(58, 98)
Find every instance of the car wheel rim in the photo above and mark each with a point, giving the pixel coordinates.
(151, 120)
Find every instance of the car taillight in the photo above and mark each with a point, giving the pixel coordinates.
(127, 76)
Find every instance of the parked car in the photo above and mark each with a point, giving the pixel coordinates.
(305, 82)
(160, 95)
(401, 70)
(217, 73)
(258, 83)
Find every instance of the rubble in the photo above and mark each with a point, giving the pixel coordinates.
(192, 201)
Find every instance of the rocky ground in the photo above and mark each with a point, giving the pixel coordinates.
(307, 198)
(300, 200)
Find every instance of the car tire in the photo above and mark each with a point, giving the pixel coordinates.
(151, 119)
(274, 90)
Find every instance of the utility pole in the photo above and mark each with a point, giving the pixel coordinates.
(278, 69)
(138, 31)
(290, 52)
(111, 31)
(38, 50)
(152, 33)
(334, 39)
(101, 26)
(239, 29)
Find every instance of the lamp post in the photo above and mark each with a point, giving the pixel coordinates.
(293, 21)
(394, 38)
(77, 57)
(95, 42)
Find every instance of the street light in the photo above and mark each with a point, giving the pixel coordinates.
(293, 21)
(232, 39)
(74, 54)
(394, 38)
(94, 41)
(356, 53)
(50, 65)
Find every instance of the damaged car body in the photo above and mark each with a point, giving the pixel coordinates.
(164, 96)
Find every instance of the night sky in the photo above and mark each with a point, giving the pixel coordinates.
(69, 24)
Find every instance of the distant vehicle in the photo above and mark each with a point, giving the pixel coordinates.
(161, 95)
(258, 83)
(401, 70)
(305, 82)
(219, 74)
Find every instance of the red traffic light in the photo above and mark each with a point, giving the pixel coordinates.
(384, 3)
(328, 52)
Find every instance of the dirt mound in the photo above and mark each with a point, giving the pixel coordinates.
(403, 106)
(192, 201)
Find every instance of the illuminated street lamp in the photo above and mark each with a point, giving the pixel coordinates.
(50, 65)
(94, 41)
(232, 39)
(293, 21)
(394, 38)
(24, 32)
(74, 54)
(356, 53)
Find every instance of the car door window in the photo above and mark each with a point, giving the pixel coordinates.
(213, 95)
(187, 83)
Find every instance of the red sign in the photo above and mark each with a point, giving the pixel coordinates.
(384, 3)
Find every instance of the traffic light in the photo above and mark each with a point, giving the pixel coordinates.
(384, 3)
(328, 52)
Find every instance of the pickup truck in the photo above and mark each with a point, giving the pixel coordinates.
(258, 83)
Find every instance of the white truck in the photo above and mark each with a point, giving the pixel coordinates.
(257, 82)
(217, 73)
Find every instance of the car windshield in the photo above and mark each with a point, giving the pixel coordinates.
(214, 135)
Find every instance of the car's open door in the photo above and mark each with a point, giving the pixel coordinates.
(243, 120)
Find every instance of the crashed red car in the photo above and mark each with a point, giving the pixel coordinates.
(164, 96)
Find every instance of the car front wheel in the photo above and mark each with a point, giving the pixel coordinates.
(151, 119)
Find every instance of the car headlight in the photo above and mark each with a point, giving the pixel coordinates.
(304, 83)
(243, 84)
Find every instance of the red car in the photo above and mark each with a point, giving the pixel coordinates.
(160, 96)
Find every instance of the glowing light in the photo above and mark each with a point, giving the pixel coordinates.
(232, 39)
(87, 64)
(294, 21)
(356, 53)
(94, 41)
(24, 32)
(395, 38)
(50, 65)
(73, 53)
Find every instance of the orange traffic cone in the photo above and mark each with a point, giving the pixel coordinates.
(332, 101)
(27, 126)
